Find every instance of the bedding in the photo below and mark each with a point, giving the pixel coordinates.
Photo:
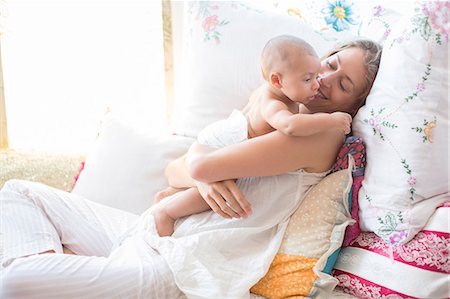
(313, 237)
(214, 30)
(405, 124)
(125, 167)
(372, 268)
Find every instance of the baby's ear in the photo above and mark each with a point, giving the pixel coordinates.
(275, 79)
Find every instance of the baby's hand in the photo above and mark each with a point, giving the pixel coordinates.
(342, 121)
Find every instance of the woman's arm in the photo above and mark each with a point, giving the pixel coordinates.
(270, 154)
(223, 197)
(177, 174)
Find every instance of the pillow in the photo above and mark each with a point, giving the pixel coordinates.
(221, 67)
(405, 126)
(378, 25)
(125, 167)
(311, 242)
(355, 147)
(372, 268)
(337, 16)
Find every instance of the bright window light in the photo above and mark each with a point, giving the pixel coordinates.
(65, 63)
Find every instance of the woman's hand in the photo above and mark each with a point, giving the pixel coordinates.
(225, 198)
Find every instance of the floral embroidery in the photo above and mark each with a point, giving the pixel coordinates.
(427, 130)
(340, 14)
(377, 11)
(420, 87)
(438, 15)
(210, 25)
(210, 22)
(376, 122)
(377, 15)
(430, 21)
(411, 180)
(389, 227)
(396, 238)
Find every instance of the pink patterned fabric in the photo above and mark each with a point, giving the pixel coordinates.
(352, 231)
(368, 267)
(362, 288)
(355, 147)
(428, 250)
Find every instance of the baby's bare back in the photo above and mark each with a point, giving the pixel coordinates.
(257, 125)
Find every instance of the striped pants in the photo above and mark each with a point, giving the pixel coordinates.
(36, 218)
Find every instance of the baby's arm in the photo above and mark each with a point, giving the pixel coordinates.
(277, 114)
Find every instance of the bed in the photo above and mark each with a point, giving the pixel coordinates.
(402, 195)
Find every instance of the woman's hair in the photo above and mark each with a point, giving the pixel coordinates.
(372, 54)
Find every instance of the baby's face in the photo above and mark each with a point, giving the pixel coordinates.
(300, 83)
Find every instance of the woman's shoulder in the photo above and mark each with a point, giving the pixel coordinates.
(324, 148)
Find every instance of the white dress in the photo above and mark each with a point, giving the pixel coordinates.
(214, 257)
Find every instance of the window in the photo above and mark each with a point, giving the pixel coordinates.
(65, 63)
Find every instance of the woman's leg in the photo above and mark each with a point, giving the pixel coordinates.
(133, 270)
(36, 218)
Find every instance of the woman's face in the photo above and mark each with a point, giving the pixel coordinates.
(342, 82)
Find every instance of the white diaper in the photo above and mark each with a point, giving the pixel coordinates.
(231, 130)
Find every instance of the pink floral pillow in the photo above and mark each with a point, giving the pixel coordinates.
(373, 268)
(353, 146)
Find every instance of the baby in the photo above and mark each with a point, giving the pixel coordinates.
(290, 68)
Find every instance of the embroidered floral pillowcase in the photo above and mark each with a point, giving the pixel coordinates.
(337, 16)
(405, 126)
(372, 268)
(222, 53)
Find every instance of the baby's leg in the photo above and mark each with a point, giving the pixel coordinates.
(166, 192)
(183, 204)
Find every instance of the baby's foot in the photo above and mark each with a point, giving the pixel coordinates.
(164, 193)
(164, 223)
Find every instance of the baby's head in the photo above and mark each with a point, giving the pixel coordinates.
(290, 65)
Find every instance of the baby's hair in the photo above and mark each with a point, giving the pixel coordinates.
(280, 50)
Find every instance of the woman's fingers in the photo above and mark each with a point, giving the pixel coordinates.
(215, 207)
(225, 199)
(239, 198)
(231, 201)
(218, 198)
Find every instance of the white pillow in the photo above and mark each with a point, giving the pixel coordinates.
(379, 24)
(126, 166)
(405, 125)
(223, 49)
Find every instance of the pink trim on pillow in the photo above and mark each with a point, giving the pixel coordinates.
(352, 231)
(362, 288)
(77, 176)
(445, 205)
(428, 250)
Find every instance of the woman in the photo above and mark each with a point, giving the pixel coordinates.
(209, 256)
